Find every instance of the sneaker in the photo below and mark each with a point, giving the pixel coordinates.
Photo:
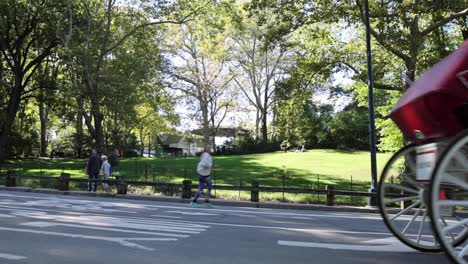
(207, 204)
(194, 204)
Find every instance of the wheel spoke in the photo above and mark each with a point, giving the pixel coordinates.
(457, 224)
(446, 225)
(421, 226)
(459, 219)
(409, 179)
(452, 179)
(402, 199)
(412, 219)
(463, 252)
(462, 160)
(402, 188)
(452, 203)
(405, 210)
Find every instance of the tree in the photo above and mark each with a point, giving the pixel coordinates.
(28, 35)
(349, 128)
(47, 86)
(402, 28)
(202, 75)
(258, 64)
(100, 32)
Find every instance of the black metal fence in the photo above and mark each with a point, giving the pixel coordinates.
(328, 194)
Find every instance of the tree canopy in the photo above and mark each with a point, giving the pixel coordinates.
(76, 75)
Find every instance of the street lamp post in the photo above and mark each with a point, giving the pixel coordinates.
(373, 189)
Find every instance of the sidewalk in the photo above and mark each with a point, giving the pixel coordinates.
(271, 205)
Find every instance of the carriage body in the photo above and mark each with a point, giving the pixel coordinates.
(436, 105)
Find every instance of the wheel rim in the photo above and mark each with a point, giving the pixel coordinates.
(403, 202)
(449, 196)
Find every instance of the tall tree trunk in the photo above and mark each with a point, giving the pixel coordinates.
(11, 110)
(264, 113)
(142, 141)
(97, 130)
(257, 125)
(43, 116)
(213, 141)
(79, 128)
(264, 128)
(205, 124)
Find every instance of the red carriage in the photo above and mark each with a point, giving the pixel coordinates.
(423, 189)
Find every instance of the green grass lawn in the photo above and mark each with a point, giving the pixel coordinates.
(347, 170)
(310, 169)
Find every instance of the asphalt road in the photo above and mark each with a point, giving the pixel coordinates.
(41, 228)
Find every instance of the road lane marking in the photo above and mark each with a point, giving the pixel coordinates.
(28, 211)
(391, 245)
(124, 241)
(255, 211)
(50, 224)
(35, 213)
(78, 207)
(303, 230)
(7, 216)
(191, 213)
(114, 222)
(168, 216)
(11, 257)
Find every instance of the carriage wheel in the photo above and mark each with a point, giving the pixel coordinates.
(402, 202)
(449, 199)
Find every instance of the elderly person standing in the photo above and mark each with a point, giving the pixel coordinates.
(105, 172)
(92, 170)
(204, 172)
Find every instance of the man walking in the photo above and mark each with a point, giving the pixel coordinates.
(204, 171)
(93, 167)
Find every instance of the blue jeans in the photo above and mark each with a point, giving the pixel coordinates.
(92, 184)
(203, 182)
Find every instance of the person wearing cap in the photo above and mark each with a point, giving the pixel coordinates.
(105, 172)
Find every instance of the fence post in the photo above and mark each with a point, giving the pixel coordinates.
(318, 187)
(330, 195)
(187, 189)
(146, 172)
(121, 184)
(64, 181)
(214, 181)
(254, 197)
(283, 184)
(240, 184)
(11, 178)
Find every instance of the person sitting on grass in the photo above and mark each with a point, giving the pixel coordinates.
(204, 172)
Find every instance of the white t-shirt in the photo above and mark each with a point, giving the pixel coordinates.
(205, 164)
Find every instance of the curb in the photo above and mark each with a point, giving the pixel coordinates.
(269, 205)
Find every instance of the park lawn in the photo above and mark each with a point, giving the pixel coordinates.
(310, 169)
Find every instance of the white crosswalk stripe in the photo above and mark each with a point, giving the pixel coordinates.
(38, 217)
(11, 256)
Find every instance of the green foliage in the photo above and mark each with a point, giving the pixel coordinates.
(69, 58)
(350, 128)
